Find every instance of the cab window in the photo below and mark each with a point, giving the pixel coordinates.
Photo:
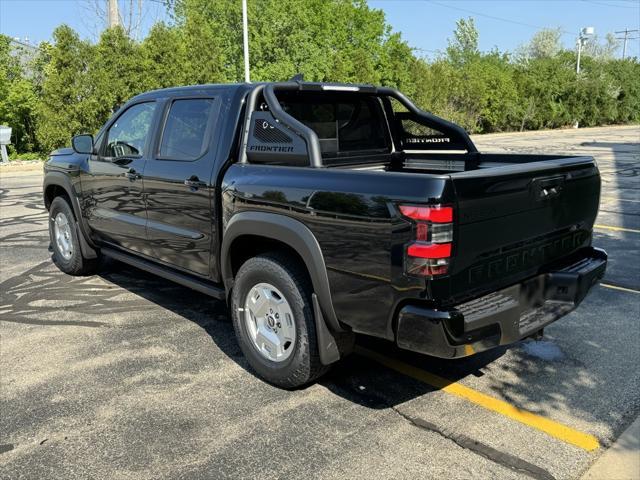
(185, 130)
(127, 137)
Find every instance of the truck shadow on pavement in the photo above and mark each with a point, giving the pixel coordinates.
(537, 376)
(345, 379)
(37, 296)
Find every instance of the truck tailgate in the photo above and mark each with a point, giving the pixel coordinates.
(516, 220)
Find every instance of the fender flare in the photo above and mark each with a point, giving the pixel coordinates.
(291, 232)
(61, 180)
(297, 236)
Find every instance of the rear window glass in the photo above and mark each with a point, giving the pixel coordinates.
(185, 131)
(346, 125)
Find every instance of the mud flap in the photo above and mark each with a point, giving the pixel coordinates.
(327, 346)
(85, 248)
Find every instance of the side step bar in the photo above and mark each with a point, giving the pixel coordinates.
(165, 272)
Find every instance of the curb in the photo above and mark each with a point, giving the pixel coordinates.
(622, 460)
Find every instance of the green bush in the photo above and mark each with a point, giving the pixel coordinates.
(72, 86)
(25, 156)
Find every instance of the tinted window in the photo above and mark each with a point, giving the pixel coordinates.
(344, 124)
(128, 135)
(184, 136)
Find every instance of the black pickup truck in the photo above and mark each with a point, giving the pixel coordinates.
(319, 210)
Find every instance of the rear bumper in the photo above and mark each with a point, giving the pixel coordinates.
(502, 317)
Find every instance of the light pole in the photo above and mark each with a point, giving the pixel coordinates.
(584, 34)
(245, 40)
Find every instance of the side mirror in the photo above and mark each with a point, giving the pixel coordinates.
(83, 143)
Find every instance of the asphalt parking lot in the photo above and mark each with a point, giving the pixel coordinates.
(124, 375)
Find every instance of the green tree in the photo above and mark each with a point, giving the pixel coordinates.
(17, 111)
(326, 40)
(64, 91)
(164, 55)
(546, 86)
(546, 43)
(624, 76)
(209, 32)
(18, 99)
(602, 50)
(114, 75)
(463, 47)
(71, 85)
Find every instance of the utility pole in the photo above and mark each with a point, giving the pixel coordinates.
(113, 14)
(245, 41)
(626, 32)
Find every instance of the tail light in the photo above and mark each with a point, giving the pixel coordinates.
(429, 254)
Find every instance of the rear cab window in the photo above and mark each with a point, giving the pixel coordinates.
(346, 125)
(187, 129)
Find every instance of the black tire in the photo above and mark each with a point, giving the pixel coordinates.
(303, 365)
(76, 264)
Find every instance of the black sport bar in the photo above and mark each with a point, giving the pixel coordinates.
(311, 138)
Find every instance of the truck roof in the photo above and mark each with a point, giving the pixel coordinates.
(235, 87)
(193, 89)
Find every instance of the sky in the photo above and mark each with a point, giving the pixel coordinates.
(425, 24)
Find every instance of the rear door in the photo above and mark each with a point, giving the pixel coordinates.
(179, 187)
(513, 221)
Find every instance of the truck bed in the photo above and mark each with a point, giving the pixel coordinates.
(503, 213)
(442, 163)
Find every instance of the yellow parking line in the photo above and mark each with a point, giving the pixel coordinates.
(617, 229)
(554, 429)
(623, 289)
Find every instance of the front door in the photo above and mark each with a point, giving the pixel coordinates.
(179, 187)
(113, 188)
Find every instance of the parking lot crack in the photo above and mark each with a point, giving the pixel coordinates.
(504, 459)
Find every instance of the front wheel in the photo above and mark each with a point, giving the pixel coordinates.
(65, 242)
(273, 320)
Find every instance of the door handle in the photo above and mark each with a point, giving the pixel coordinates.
(132, 175)
(547, 188)
(194, 183)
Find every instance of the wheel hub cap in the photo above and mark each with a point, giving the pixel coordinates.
(62, 235)
(269, 321)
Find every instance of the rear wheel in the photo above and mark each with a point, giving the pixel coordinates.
(273, 320)
(65, 243)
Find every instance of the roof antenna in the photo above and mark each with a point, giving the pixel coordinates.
(298, 77)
